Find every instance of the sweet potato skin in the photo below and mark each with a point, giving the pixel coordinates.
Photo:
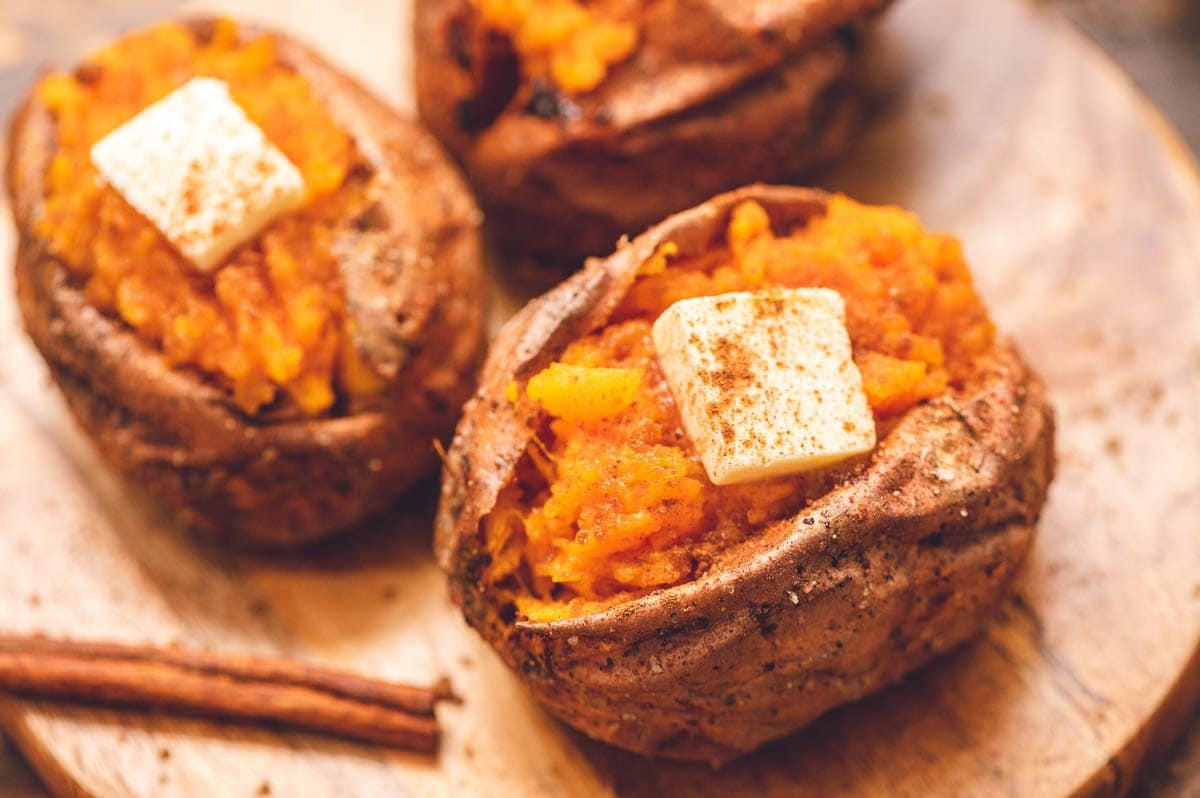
(414, 290)
(871, 581)
(718, 94)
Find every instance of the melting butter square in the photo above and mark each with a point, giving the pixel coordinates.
(204, 174)
(765, 382)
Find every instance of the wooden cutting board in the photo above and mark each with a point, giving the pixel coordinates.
(1080, 211)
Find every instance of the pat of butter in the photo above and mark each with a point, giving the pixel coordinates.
(196, 166)
(765, 382)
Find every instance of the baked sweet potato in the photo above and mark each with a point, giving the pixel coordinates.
(405, 284)
(864, 572)
(711, 96)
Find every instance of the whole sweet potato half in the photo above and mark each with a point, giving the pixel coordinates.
(663, 614)
(580, 122)
(299, 388)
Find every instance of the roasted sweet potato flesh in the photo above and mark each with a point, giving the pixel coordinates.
(611, 500)
(271, 322)
(569, 43)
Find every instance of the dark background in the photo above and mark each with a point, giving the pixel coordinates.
(1156, 41)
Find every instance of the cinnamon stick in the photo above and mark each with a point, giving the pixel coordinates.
(223, 686)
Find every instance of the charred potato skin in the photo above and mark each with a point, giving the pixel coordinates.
(719, 95)
(261, 481)
(871, 581)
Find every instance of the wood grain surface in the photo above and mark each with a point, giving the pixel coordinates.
(1080, 211)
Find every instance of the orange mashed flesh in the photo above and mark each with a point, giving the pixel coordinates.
(570, 42)
(612, 502)
(271, 320)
